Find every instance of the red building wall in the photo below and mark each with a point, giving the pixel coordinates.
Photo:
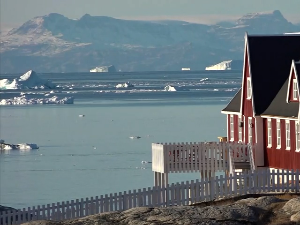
(281, 158)
(247, 108)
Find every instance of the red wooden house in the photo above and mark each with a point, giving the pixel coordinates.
(265, 111)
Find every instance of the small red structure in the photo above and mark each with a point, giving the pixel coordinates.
(265, 111)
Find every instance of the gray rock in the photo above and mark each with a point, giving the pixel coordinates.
(246, 211)
(261, 202)
(292, 206)
(42, 222)
(296, 217)
(235, 212)
(5, 208)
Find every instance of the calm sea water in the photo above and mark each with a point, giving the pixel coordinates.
(89, 156)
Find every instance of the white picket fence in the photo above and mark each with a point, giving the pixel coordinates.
(174, 194)
(195, 157)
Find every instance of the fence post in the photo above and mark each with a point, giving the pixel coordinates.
(212, 188)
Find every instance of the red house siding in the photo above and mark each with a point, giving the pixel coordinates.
(236, 128)
(281, 158)
(247, 108)
(228, 127)
(291, 99)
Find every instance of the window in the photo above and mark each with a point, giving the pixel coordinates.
(278, 132)
(231, 128)
(269, 133)
(297, 136)
(250, 130)
(240, 129)
(249, 89)
(287, 135)
(295, 89)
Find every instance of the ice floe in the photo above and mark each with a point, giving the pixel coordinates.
(22, 146)
(110, 68)
(170, 88)
(204, 79)
(225, 65)
(134, 137)
(125, 85)
(24, 100)
(29, 80)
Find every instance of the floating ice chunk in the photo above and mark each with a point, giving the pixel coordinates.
(81, 115)
(26, 146)
(204, 79)
(125, 85)
(170, 88)
(145, 162)
(109, 68)
(134, 137)
(24, 100)
(29, 80)
(225, 65)
(7, 147)
(22, 146)
(140, 168)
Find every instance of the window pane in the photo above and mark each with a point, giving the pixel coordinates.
(295, 89)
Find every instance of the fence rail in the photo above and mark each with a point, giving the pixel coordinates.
(183, 193)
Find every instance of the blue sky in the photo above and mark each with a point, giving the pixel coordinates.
(16, 12)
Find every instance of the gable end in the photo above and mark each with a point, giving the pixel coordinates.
(292, 94)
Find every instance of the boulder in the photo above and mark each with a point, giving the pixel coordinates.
(5, 208)
(296, 217)
(292, 206)
(261, 202)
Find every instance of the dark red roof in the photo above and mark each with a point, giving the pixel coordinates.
(270, 59)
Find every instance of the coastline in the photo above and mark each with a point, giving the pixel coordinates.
(268, 209)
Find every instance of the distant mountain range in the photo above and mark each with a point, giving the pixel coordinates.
(54, 43)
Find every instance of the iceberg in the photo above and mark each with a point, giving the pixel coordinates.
(227, 65)
(22, 146)
(170, 88)
(29, 80)
(295, 33)
(24, 100)
(204, 79)
(102, 69)
(134, 137)
(125, 85)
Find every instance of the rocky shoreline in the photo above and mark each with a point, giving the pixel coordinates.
(260, 209)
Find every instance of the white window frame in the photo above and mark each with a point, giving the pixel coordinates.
(250, 136)
(249, 88)
(287, 135)
(297, 132)
(231, 124)
(240, 129)
(295, 89)
(269, 131)
(278, 134)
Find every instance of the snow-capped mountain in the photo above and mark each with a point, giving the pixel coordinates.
(55, 43)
